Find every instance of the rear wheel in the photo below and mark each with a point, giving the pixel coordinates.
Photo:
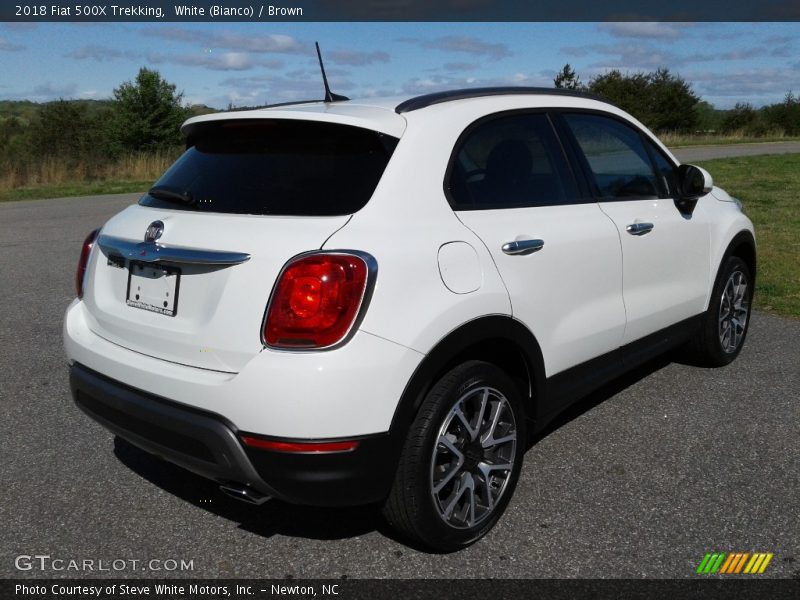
(461, 461)
(725, 323)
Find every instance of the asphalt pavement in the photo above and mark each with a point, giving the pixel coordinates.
(640, 480)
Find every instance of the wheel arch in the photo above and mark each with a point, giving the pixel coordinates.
(742, 245)
(497, 339)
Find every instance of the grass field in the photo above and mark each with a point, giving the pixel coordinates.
(680, 140)
(53, 178)
(67, 190)
(769, 187)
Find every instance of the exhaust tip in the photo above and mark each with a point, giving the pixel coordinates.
(244, 493)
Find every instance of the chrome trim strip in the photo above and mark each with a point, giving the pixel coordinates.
(151, 252)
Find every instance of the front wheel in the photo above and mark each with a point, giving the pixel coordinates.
(725, 323)
(461, 461)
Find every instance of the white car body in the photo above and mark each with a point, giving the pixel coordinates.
(590, 291)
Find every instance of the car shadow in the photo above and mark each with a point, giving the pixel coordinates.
(273, 518)
(319, 523)
(600, 395)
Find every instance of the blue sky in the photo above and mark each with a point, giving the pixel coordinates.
(257, 63)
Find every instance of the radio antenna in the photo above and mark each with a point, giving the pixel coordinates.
(329, 95)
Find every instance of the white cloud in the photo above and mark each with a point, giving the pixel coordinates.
(7, 46)
(269, 89)
(645, 30)
(44, 92)
(230, 40)
(460, 66)
(101, 53)
(464, 44)
(355, 58)
(220, 61)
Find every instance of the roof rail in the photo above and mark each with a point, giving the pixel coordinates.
(450, 95)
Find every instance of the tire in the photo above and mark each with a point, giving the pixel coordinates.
(724, 327)
(448, 491)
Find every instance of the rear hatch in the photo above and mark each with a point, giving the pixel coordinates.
(186, 274)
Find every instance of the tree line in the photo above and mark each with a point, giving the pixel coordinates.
(143, 117)
(86, 139)
(666, 103)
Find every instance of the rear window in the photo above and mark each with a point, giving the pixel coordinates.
(275, 167)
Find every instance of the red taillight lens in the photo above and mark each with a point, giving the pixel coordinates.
(83, 262)
(299, 447)
(316, 301)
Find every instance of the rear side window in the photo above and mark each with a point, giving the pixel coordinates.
(275, 167)
(512, 161)
(616, 156)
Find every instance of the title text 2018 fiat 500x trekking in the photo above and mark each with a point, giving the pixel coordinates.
(349, 302)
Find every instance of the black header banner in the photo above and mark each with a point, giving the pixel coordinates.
(398, 10)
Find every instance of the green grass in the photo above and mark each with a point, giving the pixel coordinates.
(769, 188)
(87, 188)
(675, 140)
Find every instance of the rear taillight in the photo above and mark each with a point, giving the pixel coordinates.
(317, 300)
(83, 262)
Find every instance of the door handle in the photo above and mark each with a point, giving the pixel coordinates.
(523, 247)
(639, 228)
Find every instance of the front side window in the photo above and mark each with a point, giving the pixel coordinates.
(667, 176)
(616, 156)
(512, 161)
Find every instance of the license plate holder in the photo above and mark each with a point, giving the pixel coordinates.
(153, 287)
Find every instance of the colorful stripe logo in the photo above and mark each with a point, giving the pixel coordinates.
(734, 563)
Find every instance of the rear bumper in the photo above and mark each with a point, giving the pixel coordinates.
(208, 444)
(345, 393)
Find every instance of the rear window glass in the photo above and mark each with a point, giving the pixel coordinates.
(275, 167)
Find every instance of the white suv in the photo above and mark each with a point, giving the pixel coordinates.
(347, 302)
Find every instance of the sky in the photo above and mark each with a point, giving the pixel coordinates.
(246, 64)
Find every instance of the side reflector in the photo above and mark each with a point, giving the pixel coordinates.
(299, 447)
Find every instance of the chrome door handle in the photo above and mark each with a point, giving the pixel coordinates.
(523, 247)
(639, 228)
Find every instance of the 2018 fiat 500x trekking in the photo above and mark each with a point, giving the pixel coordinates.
(349, 302)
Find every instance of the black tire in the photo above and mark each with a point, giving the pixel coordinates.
(711, 347)
(413, 508)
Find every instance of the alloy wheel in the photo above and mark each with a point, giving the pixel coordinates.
(734, 310)
(473, 457)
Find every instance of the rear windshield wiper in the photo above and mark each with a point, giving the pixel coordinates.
(169, 195)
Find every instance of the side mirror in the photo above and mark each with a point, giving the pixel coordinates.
(694, 182)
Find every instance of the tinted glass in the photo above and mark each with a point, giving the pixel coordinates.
(616, 156)
(667, 176)
(275, 167)
(511, 162)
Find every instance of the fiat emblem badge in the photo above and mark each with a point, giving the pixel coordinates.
(154, 231)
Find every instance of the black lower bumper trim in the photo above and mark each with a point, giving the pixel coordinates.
(360, 476)
(208, 444)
